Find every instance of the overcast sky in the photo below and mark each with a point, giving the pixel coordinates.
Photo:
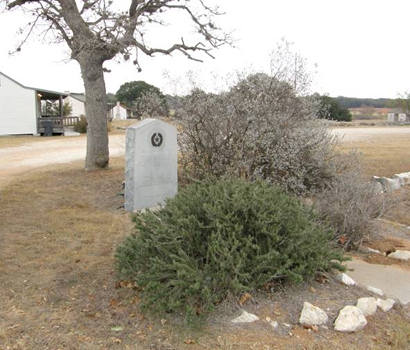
(360, 48)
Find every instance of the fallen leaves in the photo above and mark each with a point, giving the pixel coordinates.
(126, 284)
(244, 298)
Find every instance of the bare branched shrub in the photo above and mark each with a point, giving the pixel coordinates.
(349, 205)
(151, 104)
(266, 128)
(259, 129)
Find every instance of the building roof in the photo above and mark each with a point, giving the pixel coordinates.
(78, 96)
(48, 94)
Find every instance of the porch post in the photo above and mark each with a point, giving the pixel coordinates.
(61, 106)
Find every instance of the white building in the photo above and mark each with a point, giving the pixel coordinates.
(119, 112)
(398, 118)
(77, 103)
(23, 109)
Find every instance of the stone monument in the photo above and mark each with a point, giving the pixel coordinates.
(151, 164)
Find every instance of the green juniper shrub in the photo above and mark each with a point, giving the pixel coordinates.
(223, 238)
(81, 125)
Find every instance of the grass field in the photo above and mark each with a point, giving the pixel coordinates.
(382, 155)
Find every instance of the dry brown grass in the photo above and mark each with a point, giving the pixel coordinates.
(13, 141)
(383, 155)
(119, 126)
(59, 229)
(58, 232)
(400, 214)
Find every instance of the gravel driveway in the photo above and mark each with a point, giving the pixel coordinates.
(58, 150)
(30, 156)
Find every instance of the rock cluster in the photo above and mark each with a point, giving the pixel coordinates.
(349, 319)
(385, 184)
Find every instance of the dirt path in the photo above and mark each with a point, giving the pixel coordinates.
(58, 150)
(391, 279)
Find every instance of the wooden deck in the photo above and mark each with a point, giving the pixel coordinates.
(58, 123)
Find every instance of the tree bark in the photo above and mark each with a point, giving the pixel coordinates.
(96, 113)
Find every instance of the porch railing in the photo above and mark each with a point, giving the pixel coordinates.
(49, 125)
(70, 121)
(58, 122)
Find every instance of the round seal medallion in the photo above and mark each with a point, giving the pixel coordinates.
(156, 139)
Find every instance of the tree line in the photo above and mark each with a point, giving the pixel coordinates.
(142, 97)
(356, 102)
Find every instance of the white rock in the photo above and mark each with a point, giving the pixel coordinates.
(374, 251)
(388, 184)
(245, 317)
(350, 319)
(367, 305)
(312, 315)
(385, 305)
(403, 177)
(400, 255)
(392, 184)
(345, 279)
(274, 324)
(375, 290)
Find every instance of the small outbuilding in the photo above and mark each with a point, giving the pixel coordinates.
(398, 118)
(120, 112)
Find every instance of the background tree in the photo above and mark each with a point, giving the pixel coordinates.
(131, 91)
(111, 100)
(151, 104)
(142, 98)
(356, 102)
(98, 30)
(329, 108)
(67, 109)
(403, 102)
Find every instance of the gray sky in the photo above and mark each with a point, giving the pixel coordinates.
(360, 48)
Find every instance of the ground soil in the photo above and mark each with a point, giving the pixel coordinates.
(59, 227)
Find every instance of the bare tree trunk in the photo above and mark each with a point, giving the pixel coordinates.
(96, 113)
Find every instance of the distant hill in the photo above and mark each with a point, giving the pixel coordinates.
(355, 102)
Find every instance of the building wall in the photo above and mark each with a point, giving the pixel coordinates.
(17, 108)
(118, 112)
(78, 107)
